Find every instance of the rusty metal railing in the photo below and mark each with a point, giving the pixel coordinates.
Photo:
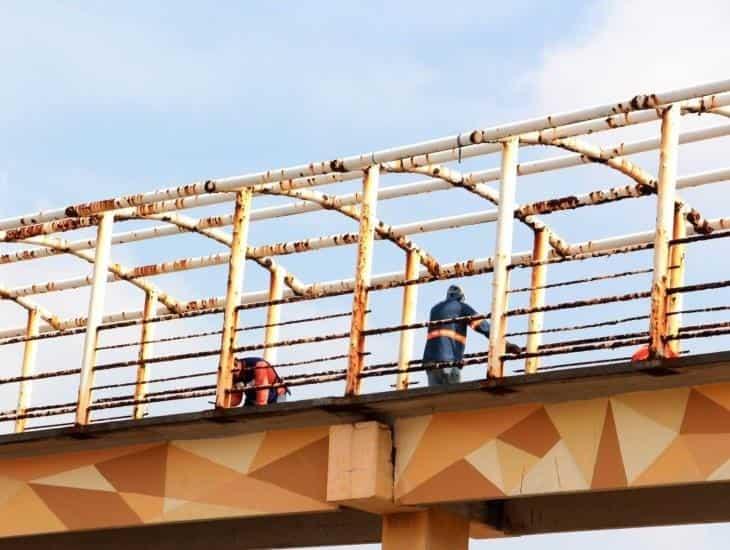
(678, 226)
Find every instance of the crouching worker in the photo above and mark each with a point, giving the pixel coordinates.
(250, 373)
(446, 342)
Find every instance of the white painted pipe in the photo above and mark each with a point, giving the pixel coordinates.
(357, 162)
(343, 285)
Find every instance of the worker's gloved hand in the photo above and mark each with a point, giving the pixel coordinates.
(512, 348)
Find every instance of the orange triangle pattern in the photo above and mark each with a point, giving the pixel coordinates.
(689, 441)
(451, 456)
(166, 482)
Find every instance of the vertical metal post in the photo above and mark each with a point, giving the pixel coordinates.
(666, 187)
(145, 351)
(96, 311)
(236, 265)
(502, 254)
(30, 350)
(408, 314)
(540, 249)
(368, 204)
(273, 313)
(676, 279)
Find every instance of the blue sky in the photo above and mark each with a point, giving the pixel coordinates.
(101, 99)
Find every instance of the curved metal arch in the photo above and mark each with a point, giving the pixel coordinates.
(457, 179)
(29, 305)
(120, 271)
(384, 230)
(721, 111)
(190, 224)
(645, 182)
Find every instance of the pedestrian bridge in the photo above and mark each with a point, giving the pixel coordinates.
(122, 427)
(592, 448)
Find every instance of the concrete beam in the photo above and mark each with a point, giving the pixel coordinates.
(360, 467)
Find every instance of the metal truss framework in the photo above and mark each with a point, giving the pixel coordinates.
(677, 224)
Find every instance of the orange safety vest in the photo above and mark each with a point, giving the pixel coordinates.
(437, 333)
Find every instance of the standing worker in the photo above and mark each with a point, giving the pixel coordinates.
(251, 373)
(446, 342)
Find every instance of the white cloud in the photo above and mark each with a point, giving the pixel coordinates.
(635, 47)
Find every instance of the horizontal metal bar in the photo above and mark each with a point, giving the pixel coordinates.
(425, 324)
(240, 329)
(593, 340)
(584, 280)
(581, 327)
(589, 249)
(212, 372)
(699, 287)
(700, 334)
(580, 349)
(616, 360)
(701, 310)
(581, 303)
(357, 162)
(697, 238)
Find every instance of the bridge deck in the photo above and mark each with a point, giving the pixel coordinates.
(543, 387)
(539, 513)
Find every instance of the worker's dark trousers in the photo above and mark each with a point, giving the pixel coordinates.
(440, 377)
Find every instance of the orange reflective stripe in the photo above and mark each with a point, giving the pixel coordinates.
(448, 333)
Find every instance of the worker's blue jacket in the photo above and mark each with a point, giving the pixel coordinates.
(447, 342)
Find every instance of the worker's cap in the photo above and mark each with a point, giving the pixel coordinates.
(455, 293)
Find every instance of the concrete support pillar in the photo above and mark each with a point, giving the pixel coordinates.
(430, 529)
(360, 467)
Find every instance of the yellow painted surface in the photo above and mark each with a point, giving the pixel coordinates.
(649, 439)
(425, 530)
(360, 473)
(280, 472)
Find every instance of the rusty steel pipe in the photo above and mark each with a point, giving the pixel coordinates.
(699, 287)
(408, 316)
(607, 153)
(581, 348)
(145, 351)
(538, 276)
(234, 288)
(30, 352)
(676, 278)
(666, 185)
(273, 314)
(581, 303)
(636, 103)
(502, 257)
(239, 329)
(363, 270)
(95, 317)
(583, 280)
(540, 207)
(571, 328)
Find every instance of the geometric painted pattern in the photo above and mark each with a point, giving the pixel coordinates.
(638, 439)
(282, 471)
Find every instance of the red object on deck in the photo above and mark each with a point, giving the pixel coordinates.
(642, 354)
